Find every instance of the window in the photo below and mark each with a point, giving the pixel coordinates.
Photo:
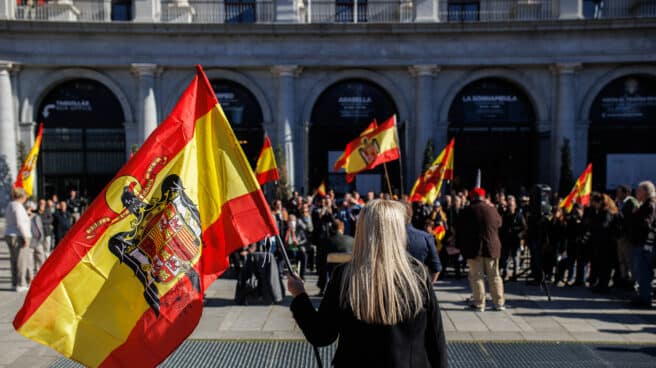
(463, 11)
(122, 10)
(344, 10)
(240, 11)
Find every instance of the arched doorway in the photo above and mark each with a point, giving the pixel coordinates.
(493, 122)
(244, 114)
(83, 138)
(339, 115)
(622, 135)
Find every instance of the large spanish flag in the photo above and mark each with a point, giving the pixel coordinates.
(125, 287)
(376, 145)
(25, 177)
(428, 185)
(266, 169)
(581, 191)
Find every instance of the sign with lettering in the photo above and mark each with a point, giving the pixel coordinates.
(81, 103)
(238, 103)
(630, 99)
(491, 101)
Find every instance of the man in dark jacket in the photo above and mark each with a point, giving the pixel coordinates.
(63, 220)
(480, 245)
(643, 237)
(421, 245)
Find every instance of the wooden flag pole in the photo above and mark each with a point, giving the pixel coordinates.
(389, 185)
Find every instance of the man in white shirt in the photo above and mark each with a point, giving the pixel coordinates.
(18, 234)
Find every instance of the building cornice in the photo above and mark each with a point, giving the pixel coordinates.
(278, 29)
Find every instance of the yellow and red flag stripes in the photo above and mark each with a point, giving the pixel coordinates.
(125, 287)
(376, 145)
(266, 169)
(321, 190)
(428, 185)
(25, 177)
(581, 191)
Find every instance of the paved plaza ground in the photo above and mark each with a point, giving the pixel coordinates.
(575, 315)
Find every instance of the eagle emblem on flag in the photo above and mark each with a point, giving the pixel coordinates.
(164, 241)
(369, 149)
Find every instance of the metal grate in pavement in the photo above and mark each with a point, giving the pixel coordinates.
(284, 354)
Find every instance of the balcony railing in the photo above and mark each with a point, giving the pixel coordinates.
(498, 10)
(609, 9)
(358, 11)
(226, 11)
(334, 11)
(80, 10)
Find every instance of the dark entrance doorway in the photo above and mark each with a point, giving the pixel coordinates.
(244, 114)
(83, 138)
(493, 123)
(622, 134)
(339, 115)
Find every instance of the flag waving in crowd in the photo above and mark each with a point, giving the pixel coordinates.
(125, 286)
(266, 169)
(428, 185)
(581, 191)
(376, 145)
(25, 177)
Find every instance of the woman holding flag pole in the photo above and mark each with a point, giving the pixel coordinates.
(384, 316)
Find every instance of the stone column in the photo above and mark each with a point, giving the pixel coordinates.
(146, 105)
(7, 9)
(427, 11)
(423, 114)
(285, 117)
(565, 120)
(8, 139)
(147, 11)
(570, 9)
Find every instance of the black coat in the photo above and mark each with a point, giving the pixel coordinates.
(62, 222)
(416, 343)
(340, 243)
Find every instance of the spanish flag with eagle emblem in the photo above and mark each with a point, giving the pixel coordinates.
(428, 185)
(25, 177)
(377, 144)
(581, 191)
(125, 287)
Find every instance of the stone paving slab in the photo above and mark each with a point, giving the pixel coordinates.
(573, 315)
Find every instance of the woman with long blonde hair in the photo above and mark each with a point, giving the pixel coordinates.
(381, 305)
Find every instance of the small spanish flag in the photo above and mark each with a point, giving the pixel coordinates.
(376, 145)
(266, 169)
(321, 190)
(25, 177)
(125, 287)
(428, 185)
(581, 191)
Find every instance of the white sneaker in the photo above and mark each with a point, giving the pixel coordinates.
(21, 289)
(500, 308)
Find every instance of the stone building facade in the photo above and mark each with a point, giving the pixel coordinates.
(509, 88)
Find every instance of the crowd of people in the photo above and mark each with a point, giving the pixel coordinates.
(33, 230)
(606, 246)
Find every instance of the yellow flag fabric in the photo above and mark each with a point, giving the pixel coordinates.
(125, 287)
(428, 186)
(25, 177)
(266, 169)
(581, 191)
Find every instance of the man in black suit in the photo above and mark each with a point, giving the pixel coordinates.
(340, 243)
(63, 220)
(421, 245)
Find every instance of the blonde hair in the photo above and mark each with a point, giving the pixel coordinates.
(379, 284)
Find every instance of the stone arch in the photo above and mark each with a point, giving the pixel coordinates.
(237, 77)
(600, 83)
(512, 76)
(374, 77)
(54, 79)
